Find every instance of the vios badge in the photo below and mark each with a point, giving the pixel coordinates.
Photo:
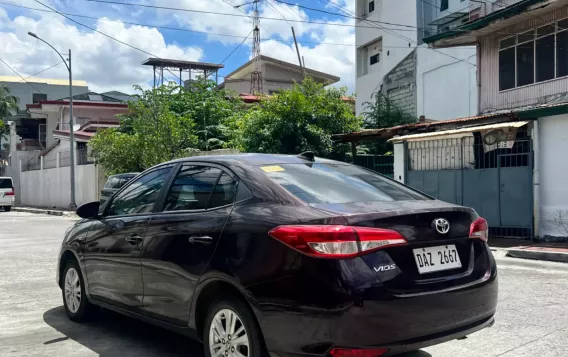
(441, 225)
(385, 268)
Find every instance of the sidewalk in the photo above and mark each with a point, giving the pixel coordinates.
(49, 211)
(553, 252)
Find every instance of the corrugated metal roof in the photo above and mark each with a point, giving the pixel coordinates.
(471, 129)
(59, 82)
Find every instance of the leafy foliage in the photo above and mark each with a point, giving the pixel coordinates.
(301, 119)
(166, 123)
(8, 106)
(382, 113)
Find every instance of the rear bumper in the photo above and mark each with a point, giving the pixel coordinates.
(374, 318)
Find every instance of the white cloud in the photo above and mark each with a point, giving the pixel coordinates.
(104, 63)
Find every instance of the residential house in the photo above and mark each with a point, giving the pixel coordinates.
(49, 153)
(391, 58)
(512, 171)
(33, 90)
(276, 74)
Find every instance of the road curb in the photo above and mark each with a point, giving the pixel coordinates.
(43, 211)
(546, 255)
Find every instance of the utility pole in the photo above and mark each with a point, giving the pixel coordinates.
(298, 52)
(256, 76)
(72, 204)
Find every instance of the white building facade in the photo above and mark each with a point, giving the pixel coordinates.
(390, 33)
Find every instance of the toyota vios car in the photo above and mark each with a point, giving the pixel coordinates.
(288, 255)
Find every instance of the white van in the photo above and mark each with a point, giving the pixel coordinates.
(6, 193)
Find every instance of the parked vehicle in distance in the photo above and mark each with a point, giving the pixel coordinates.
(114, 183)
(7, 194)
(292, 255)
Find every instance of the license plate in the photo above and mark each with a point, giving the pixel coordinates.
(431, 259)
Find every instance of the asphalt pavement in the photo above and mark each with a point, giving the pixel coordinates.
(532, 316)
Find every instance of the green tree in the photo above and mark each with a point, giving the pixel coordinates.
(382, 113)
(167, 123)
(8, 106)
(300, 119)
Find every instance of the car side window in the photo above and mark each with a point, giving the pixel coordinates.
(192, 188)
(224, 192)
(141, 195)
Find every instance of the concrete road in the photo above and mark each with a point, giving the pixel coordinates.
(532, 318)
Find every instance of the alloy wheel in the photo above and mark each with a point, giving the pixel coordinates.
(72, 290)
(228, 336)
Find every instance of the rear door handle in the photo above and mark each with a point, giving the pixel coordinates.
(134, 239)
(200, 240)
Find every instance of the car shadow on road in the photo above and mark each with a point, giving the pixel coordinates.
(110, 334)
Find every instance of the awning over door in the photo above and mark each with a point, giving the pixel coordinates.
(457, 132)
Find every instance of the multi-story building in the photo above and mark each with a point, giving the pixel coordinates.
(522, 61)
(392, 58)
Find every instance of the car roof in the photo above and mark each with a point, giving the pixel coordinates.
(126, 174)
(256, 159)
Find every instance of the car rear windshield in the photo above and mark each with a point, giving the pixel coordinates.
(337, 183)
(5, 183)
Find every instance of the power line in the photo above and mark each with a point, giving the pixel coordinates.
(175, 28)
(222, 13)
(35, 74)
(19, 75)
(104, 34)
(343, 15)
(236, 48)
(275, 9)
(405, 38)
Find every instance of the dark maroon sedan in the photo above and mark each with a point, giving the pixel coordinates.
(292, 255)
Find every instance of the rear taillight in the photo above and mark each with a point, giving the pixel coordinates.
(357, 352)
(336, 241)
(10, 193)
(479, 229)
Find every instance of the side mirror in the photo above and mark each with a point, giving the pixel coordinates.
(89, 210)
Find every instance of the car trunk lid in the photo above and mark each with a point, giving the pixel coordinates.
(397, 267)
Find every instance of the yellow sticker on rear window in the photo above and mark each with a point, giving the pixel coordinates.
(272, 168)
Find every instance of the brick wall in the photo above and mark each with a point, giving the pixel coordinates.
(399, 85)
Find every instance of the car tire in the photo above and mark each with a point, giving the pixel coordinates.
(77, 307)
(218, 318)
(7, 208)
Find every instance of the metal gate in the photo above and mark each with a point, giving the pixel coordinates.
(383, 164)
(496, 180)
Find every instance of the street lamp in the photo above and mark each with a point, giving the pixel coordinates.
(72, 204)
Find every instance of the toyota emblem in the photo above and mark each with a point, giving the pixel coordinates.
(442, 225)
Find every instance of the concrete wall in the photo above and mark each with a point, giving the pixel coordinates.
(24, 91)
(446, 87)
(396, 43)
(553, 146)
(399, 85)
(51, 187)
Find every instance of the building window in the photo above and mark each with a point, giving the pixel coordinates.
(375, 59)
(37, 97)
(444, 5)
(371, 6)
(362, 54)
(534, 56)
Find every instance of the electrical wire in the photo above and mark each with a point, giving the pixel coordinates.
(222, 13)
(35, 74)
(236, 48)
(346, 16)
(22, 77)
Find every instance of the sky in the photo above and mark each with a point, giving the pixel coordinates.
(106, 64)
